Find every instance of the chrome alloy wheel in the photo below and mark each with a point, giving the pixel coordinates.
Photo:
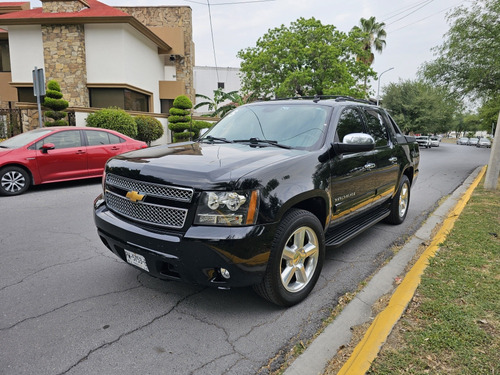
(299, 259)
(404, 198)
(13, 181)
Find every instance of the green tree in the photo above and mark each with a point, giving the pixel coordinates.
(115, 119)
(374, 36)
(419, 107)
(306, 58)
(149, 129)
(56, 104)
(467, 61)
(213, 104)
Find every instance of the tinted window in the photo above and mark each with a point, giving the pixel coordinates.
(376, 127)
(350, 121)
(65, 139)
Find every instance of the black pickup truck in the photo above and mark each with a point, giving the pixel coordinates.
(259, 197)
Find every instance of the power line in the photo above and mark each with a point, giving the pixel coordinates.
(213, 40)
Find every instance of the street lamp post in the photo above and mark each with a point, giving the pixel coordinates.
(378, 86)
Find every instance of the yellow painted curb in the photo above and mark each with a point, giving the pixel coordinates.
(367, 349)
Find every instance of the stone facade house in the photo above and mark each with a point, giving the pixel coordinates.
(136, 58)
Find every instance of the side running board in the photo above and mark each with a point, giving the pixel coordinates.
(344, 232)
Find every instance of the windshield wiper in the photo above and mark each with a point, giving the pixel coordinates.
(212, 139)
(256, 141)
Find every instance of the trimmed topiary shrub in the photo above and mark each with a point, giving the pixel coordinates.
(149, 129)
(115, 119)
(179, 121)
(56, 104)
(198, 125)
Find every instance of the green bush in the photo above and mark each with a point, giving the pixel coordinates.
(179, 121)
(149, 129)
(53, 100)
(53, 94)
(115, 119)
(53, 85)
(199, 124)
(179, 127)
(178, 111)
(182, 137)
(183, 102)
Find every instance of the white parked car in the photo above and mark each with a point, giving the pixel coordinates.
(424, 141)
(435, 140)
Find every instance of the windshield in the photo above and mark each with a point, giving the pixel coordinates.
(296, 126)
(24, 138)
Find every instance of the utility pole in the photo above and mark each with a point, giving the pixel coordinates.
(493, 171)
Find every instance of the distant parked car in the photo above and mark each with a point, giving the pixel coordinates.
(473, 141)
(424, 141)
(58, 154)
(435, 140)
(484, 142)
(463, 141)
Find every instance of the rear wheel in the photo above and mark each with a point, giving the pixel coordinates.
(296, 259)
(400, 202)
(13, 181)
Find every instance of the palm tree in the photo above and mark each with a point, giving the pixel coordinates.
(374, 38)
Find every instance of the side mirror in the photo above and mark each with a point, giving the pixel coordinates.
(47, 146)
(354, 142)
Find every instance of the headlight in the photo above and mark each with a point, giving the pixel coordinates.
(227, 208)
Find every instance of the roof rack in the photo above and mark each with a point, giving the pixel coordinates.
(317, 98)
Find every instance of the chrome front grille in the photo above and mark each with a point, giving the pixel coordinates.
(171, 217)
(156, 211)
(148, 188)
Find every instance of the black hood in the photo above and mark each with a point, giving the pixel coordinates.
(198, 165)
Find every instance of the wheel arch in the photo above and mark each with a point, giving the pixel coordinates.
(25, 168)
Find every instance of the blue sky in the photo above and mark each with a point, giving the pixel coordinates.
(413, 26)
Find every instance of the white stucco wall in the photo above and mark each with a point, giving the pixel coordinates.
(26, 51)
(118, 54)
(206, 79)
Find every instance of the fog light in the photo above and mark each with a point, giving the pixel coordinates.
(225, 273)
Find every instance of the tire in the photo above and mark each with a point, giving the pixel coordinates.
(400, 203)
(296, 259)
(13, 181)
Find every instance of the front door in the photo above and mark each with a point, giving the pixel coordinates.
(68, 159)
(351, 187)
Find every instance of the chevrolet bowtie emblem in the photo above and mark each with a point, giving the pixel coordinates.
(134, 196)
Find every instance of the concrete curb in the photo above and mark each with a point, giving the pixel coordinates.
(317, 356)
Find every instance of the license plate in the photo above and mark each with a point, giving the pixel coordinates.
(136, 260)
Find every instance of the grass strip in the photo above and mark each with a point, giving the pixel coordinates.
(452, 325)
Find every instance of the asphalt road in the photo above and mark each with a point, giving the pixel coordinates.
(69, 306)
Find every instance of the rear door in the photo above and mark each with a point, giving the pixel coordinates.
(101, 145)
(386, 169)
(68, 159)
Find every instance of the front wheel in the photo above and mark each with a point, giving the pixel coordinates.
(13, 181)
(400, 202)
(296, 259)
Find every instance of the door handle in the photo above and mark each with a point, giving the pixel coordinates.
(393, 160)
(370, 166)
(79, 152)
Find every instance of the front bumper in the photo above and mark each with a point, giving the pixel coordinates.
(196, 256)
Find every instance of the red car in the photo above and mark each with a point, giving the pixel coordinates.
(58, 154)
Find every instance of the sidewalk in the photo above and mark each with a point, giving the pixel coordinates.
(359, 311)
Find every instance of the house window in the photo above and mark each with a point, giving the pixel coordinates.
(220, 85)
(116, 97)
(4, 56)
(26, 94)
